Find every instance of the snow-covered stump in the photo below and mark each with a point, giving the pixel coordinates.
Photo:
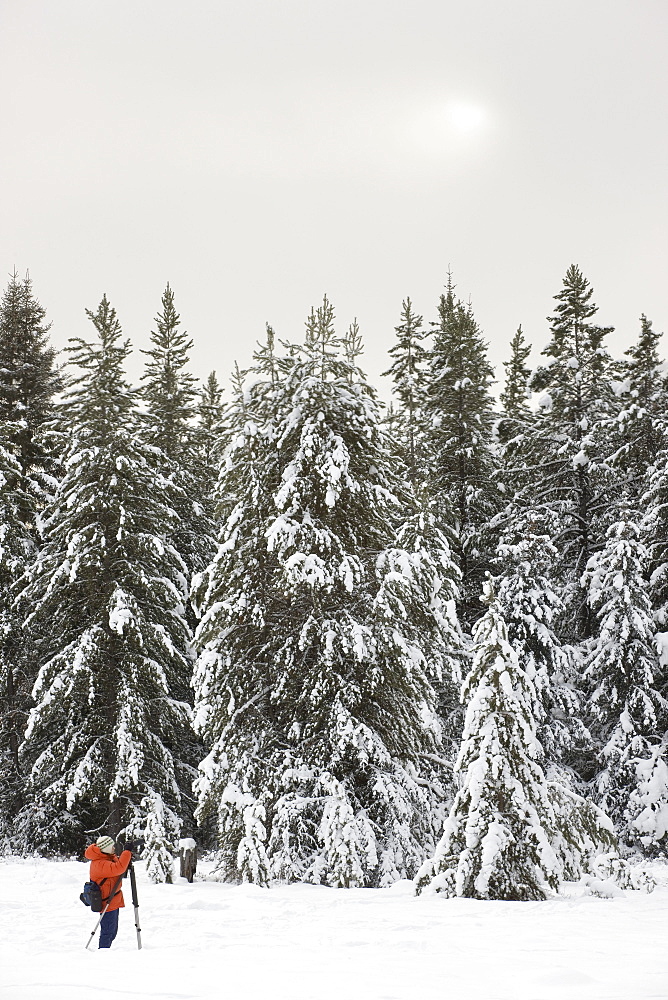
(187, 858)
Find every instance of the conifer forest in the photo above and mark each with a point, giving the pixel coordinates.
(335, 640)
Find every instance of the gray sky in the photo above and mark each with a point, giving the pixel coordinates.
(257, 154)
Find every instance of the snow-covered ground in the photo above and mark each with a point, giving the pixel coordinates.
(302, 942)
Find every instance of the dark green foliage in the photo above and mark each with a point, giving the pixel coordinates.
(312, 686)
(210, 437)
(169, 390)
(627, 708)
(459, 414)
(109, 739)
(514, 429)
(16, 671)
(497, 839)
(582, 831)
(29, 381)
(638, 431)
(568, 444)
(330, 651)
(528, 595)
(654, 524)
(515, 395)
(408, 378)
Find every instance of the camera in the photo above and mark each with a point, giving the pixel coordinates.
(133, 845)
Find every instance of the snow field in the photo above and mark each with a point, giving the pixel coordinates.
(302, 942)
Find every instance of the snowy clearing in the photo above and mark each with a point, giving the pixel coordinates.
(302, 942)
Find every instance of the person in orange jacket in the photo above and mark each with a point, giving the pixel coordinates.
(105, 868)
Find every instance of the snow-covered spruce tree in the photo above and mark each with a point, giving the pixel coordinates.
(16, 552)
(638, 431)
(29, 380)
(654, 527)
(568, 450)
(628, 712)
(169, 392)
(107, 741)
(352, 346)
(240, 617)
(647, 810)
(458, 411)
(496, 843)
(408, 379)
(582, 831)
(514, 429)
(210, 437)
(531, 607)
(168, 388)
(516, 392)
(422, 552)
(312, 685)
(648, 801)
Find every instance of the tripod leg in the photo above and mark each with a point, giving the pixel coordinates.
(138, 928)
(135, 903)
(92, 933)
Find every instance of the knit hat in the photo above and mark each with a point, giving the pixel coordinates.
(105, 844)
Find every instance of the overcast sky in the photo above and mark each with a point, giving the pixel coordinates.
(257, 154)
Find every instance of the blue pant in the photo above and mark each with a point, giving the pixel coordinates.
(108, 928)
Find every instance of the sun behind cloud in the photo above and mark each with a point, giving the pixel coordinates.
(465, 117)
(451, 130)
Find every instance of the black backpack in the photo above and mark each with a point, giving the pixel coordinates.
(92, 896)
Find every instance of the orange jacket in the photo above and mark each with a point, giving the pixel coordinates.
(109, 867)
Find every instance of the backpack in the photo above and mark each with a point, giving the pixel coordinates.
(92, 896)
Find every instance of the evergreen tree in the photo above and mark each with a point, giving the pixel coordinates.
(623, 670)
(515, 426)
(16, 553)
(239, 618)
(582, 832)
(529, 601)
(496, 843)
(655, 535)
(353, 348)
(422, 552)
(408, 378)
(210, 436)
(169, 391)
(29, 380)
(458, 408)
(638, 431)
(576, 397)
(312, 686)
(647, 810)
(107, 741)
(393, 424)
(516, 391)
